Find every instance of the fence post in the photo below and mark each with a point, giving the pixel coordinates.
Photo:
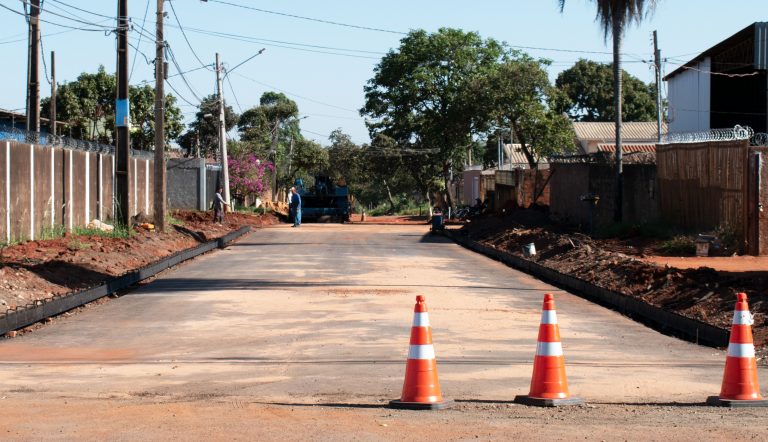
(8, 191)
(32, 192)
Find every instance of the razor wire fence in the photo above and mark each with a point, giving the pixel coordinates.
(736, 133)
(9, 133)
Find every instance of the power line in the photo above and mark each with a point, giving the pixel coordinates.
(173, 10)
(233, 93)
(178, 68)
(59, 24)
(295, 95)
(181, 96)
(144, 20)
(318, 20)
(285, 45)
(190, 70)
(78, 20)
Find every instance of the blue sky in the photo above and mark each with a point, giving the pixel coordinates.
(326, 73)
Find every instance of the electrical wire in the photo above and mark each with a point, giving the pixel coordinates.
(233, 93)
(190, 70)
(178, 69)
(294, 95)
(178, 94)
(85, 22)
(144, 20)
(347, 25)
(286, 45)
(181, 28)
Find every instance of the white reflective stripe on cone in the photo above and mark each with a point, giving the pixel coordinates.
(549, 317)
(421, 319)
(421, 352)
(742, 317)
(741, 350)
(549, 349)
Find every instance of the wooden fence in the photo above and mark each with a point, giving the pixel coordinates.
(705, 186)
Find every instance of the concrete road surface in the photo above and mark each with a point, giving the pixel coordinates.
(322, 315)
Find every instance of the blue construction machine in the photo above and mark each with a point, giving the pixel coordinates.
(326, 200)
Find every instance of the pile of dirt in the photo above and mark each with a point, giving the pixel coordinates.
(36, 270)
(702, 293)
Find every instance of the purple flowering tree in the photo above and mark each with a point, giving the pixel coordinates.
(248, 175)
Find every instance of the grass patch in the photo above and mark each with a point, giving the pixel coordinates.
(679, 245)
(402, 208)
(169, 219)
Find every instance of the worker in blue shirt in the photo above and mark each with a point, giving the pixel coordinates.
(295, 207)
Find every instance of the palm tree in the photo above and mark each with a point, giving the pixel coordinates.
(614, 17)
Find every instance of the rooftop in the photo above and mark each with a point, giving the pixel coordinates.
(630, 131)
(747, 48)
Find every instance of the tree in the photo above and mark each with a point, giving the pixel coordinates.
(308, 159)
(204, 131)
(589, 87)
(88, 106)
(248, 174)
(420, 96)
(614, 17)
(270, 127)
(345, 159)
(142, 99)
(517, 94)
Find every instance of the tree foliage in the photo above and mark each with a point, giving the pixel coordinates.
(205, 128)
(420, 96)
(517, 94)
(248, 174)
(88, 107)
(589, 88)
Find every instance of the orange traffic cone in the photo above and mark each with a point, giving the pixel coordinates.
(740, 386)
(421, 389)
(549, 386)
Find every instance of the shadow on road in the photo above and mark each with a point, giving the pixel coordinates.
(204, 284)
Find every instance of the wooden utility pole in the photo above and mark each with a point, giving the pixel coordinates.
(122, 119)
(33, 74)
(159, 206)
(657, 64)
(222, 132)
(274, 159)
(52, 117)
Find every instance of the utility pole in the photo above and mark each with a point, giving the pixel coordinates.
(122, 118)
(52, 117)
(657, 64)
(33, 74)
(159, 203)
(222, 131)
(274, 159)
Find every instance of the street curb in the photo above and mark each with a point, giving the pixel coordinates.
(22, 316)
(655, 317)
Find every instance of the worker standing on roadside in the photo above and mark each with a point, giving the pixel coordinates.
(218, 206)
(295, 207)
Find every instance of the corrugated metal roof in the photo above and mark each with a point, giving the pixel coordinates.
(611, 147)
(761, 45)
(757, 30)
(606, 131)
(513, 155)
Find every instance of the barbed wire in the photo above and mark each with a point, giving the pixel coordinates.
(736, 133)
(759, 139)
(9, 133)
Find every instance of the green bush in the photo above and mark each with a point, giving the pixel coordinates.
(679, 245)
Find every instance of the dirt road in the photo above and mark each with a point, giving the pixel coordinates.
(307, 329)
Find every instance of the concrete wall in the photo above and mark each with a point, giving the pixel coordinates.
(570, 182)
(689, 99)
(43, 188)
(191, 183)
